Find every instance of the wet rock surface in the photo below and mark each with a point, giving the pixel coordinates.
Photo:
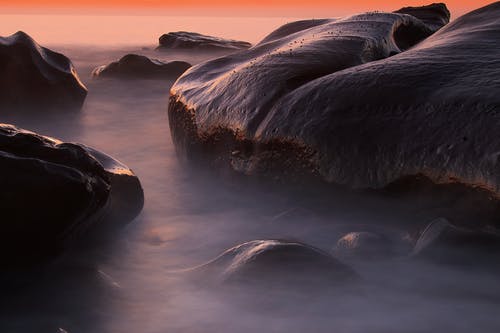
(183, 40)
(444, 243)
(278, 263)
(54, 193)
(133, 66)
(363, 102)
(34, 77)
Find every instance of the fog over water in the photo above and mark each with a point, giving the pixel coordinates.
(135, 282)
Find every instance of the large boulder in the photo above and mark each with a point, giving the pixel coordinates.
(32, 76)
(134, 66)
(55, 192)
(183, 40)
(362, 102)
(277, 262)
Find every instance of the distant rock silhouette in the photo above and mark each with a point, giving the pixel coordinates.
(54, 192)
(183, 40)
(35, 77)
(277, 262)
(133, 66)
(435, 15)
(361, 102)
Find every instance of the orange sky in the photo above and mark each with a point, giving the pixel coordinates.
(223, 2)
(457, 6)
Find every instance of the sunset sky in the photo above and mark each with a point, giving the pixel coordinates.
(263, 7)
(103, 22)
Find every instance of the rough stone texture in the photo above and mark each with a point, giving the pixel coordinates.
(133, 66)
(362, 102)
(35, 77)
(183, 40)
(54, 192)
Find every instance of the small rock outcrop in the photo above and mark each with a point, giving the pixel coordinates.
(443, 242)
(133, 66)
(364, 245)
(183, 40)
(277, 262)
(34, 77)
(56, 192)
(435, 15)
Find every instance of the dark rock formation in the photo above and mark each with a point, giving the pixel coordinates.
(183, 40)
(54, 192)
(133, 66)
(364, 245)
(277, 262)
(362, 102)
(435, 15)
(442, 242)
(32, 76)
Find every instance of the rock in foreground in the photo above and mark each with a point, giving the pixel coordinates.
(360, 102)
(183, 40)
(277, 262)
(35, 77)
(442, 242)
(133, 66)
(55, 192)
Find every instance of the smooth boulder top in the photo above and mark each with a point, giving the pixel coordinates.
(134, 66)
(32, 76)
(277, 262)
(56, 192)
(445, 243)
(183, 40)
(361, 102)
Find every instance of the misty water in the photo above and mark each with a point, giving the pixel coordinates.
(133, 283)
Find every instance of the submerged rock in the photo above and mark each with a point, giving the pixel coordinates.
(183, 40)
(443, 242)
(277, 262)
(361, 102)
(35, 77)
(364, 245)
(55, 192)
(135, 66)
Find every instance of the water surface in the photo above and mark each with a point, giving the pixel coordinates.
(188, 219)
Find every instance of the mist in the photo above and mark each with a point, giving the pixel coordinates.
(139, 281)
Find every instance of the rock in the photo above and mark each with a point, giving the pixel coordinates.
(54, 193)
(133, 66)
(277, 262)
(32, 76)
(293, 27)
(435, 15)
(360, 102)
(183, 40)
(442, 242)
(364, 245)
